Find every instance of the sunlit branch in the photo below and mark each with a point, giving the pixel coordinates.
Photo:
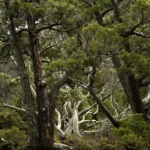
(60, 30)
(86, 109)
(13, 107)
(47, 27)
(141, 35)
(22, 30)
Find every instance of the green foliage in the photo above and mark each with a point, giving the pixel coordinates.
(98, 38)
(141, 5)
(4, 76)
(65, 53)
(134, 132)
(92, 144)
(15, 136)
(135, 64)
(8, 119)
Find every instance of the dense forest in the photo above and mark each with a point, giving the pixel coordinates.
(75, 74)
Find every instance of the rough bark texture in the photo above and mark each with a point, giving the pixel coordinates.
(130, 86)
(41, 125)
(104, 109)
(73, 124)
(101, 105)
(28, 98)
(52, 103)
(40, 84)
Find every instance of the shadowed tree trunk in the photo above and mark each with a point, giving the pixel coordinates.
(52, 104)
(46, 103)
(130, 86)
(41, 125)
(40, 84)
(27, 94)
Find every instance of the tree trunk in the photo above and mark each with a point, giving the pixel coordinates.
(103, 108)
(131, 89)
(41, 90)
(27, 94)
(52, 103)
(45, 103)
(73, 124)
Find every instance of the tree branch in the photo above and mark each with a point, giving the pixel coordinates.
(106, 11)
(3, 38)
(132, 30)
(144, 83)
(59, 30)
(13, 107)
(99, 102)
(59, 118)
(22, 30)
(116, 10)
(46, 27)
(141, 35)
(86, 109)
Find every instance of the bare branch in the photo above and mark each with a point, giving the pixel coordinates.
(144, 83)
(62, 146)
(83, 118)
(141, 35)
(58, 126)
(22, 30)
(13, 107)
(89, 121)
(60, 30)
(86, 110)
(99, 102)
(123, 114)
(33, 91)
(90, 126)
(146, 100)
(78, 104)
(132, 30)
(59, 118)
(47, 27)
(65, 109)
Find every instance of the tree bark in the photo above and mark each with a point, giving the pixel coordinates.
(40, 84)
(101, 105)
(73, 124)
(103, 108)
(52, 103)
(28, 97)
(131, 89)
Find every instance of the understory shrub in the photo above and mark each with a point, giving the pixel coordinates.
(82, 143)
(134, 133)
(13, 139)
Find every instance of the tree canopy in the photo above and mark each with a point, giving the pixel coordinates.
(73, 67)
